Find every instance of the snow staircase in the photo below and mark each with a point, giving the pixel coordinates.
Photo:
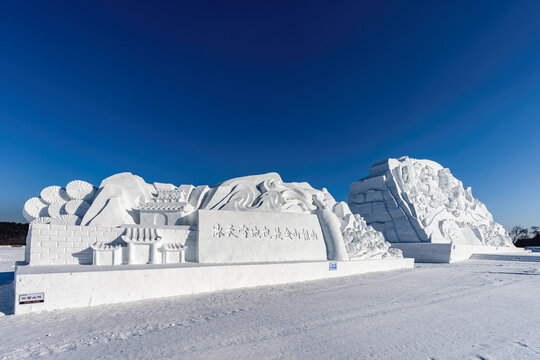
(507, 257)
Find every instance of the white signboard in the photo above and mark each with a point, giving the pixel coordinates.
(240, 237)
(31, 298)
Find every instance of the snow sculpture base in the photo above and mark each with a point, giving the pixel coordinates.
(449, 253)
(79, 286)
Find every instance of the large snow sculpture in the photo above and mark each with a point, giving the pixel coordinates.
(127, 199)
(249, 231)
(412, 201)
(309, 225)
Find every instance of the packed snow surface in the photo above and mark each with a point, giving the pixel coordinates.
(478, 309)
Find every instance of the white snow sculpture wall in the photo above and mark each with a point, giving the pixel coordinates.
(411, 200)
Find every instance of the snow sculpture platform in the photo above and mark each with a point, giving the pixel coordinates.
(449, 253)
(419, 202)
(63, 287)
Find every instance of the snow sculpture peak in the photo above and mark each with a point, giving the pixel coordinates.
(412, 200)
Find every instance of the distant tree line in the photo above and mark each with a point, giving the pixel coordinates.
(13, 233)
(523, 237)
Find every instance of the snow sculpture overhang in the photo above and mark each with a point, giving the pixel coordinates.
(411, 200)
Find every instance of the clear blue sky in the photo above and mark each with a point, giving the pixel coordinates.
(200, 92)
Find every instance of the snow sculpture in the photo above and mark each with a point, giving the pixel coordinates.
(249, 231)
(41, 220)
(141, 243)
(362, 241)
(60, 206)
(127, 199)
(76, 207)
(80, 190)
(118, 200)
(161, 224)
(412, 201)
(170, 207)
(335, 243)
(268, 193)
(66, 220)
(57, 209)
(54, 194)
(35, 207)
(107, 254)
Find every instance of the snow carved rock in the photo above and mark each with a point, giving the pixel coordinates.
(411, 200)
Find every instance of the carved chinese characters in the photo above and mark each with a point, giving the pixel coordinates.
(236, 237)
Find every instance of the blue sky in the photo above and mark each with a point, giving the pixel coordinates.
(200, 92)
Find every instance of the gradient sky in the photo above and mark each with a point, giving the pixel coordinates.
(200, 92)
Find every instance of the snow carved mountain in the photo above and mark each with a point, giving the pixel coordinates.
(412, 200)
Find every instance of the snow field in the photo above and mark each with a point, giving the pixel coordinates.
(477, 309)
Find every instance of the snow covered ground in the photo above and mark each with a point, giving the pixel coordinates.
(8, 256)
(477, 309)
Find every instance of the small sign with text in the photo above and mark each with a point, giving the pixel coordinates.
(31, 298)
(333, 266)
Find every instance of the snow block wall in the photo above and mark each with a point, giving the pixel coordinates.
(411, 200)
(51, 244)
